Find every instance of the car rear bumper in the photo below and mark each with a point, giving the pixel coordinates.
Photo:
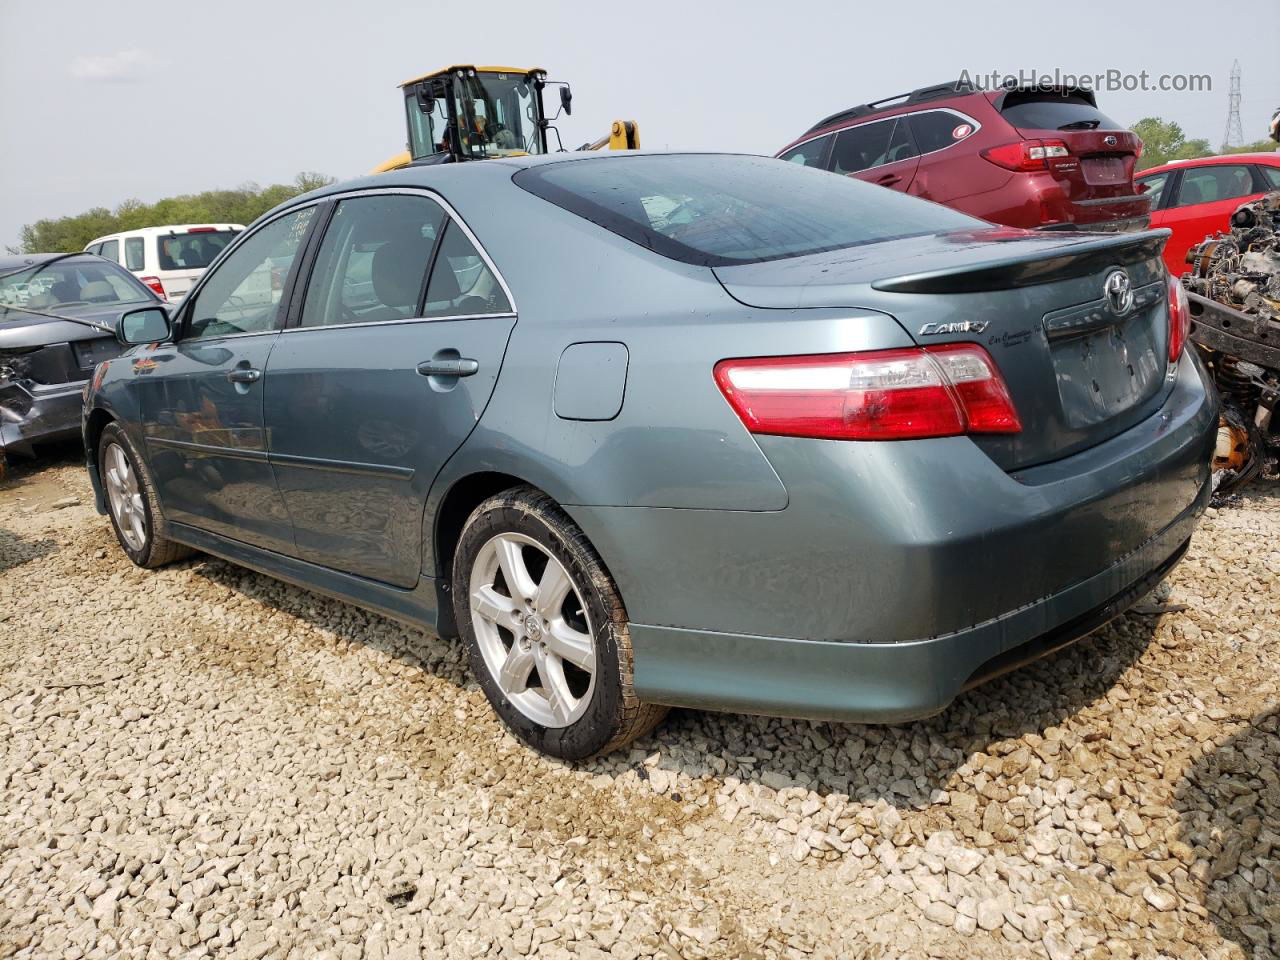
(33, 413)
(898, 569)
(890, 683)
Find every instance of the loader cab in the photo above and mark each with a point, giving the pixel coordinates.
(475, 113)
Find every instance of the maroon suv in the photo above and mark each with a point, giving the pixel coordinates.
(1034, 158)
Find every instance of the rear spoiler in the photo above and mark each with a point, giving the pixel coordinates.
(1025, 269)
(1012, 95)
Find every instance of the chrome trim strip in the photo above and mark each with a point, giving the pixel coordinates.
(911, 113)
(341, 466)
(387, 323)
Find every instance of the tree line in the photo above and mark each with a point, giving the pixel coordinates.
(244, 204)
(1164, 140)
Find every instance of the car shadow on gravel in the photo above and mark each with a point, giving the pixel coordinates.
(1229, 815)
(908, 765)
(15, 550)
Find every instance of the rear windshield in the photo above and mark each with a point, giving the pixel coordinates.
(186, 251)
(1054, 111)
(717, 210)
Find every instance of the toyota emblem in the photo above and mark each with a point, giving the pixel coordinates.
(1109, 140)
(1119, 292)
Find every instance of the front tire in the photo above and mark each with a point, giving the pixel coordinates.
(546, 629)
(131, 502)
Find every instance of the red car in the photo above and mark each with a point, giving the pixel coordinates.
(1195, 198)
(1034, 158)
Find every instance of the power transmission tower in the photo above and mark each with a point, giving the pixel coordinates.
(1234, 136)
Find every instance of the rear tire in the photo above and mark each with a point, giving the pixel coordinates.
(132, 504)
(531, 597)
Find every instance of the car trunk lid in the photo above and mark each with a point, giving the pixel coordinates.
(1079, 370)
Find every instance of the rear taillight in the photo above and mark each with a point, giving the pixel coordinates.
(1179, 319)
(154, 284)
(1026, 155)
(919, 392)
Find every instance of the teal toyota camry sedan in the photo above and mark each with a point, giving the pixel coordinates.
(670, 429)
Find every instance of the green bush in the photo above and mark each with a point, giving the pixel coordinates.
(242, 205)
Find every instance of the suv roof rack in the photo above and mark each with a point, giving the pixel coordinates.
(954, 88)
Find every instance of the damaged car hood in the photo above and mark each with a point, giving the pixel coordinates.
(21, 328)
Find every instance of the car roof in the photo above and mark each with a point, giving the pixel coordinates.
(18, 261)
(1270, 159)
(165, 229)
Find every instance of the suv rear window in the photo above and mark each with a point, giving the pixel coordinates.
(1047, 110)
(188, 251)
(721, 210)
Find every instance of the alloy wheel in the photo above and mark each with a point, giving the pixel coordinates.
(125, 496)
(533, 630)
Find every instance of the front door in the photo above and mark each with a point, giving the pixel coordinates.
(381, 379)
(202, 395)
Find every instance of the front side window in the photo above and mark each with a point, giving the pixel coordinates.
(1272, 175)
(1209, 184)
(462, 284)
(134, 251)
(111, 250)
(938, 129)
(811, 154)
(243, 294)
(372, 263)
(718, 210)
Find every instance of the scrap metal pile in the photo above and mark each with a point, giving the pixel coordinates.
(1234, 291)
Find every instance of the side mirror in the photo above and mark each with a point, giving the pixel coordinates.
(426, 102)
(566, 100)
(144, 325)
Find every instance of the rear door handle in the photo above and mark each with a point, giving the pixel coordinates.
(887, 179)
(461, 367)
(241, 375)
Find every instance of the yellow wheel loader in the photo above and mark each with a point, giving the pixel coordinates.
(465, 112)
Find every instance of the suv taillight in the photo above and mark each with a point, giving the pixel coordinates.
(154, 284)
(918, 392)
(1179, 319)
(1026, 156)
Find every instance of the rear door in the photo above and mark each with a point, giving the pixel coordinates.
(881, 152)
(1205, 199)
(201, 396)
(380, 378)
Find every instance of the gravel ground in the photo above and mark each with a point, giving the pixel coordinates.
(202, 761)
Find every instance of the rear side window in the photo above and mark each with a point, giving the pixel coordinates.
(811, 154)
(134, 253)
(1047, 110)
(718, 210)
(1152, 187)
(111, 250)
(372, 264)
(936, 129)
(1208, 184)
(462, 285)
(871, 145)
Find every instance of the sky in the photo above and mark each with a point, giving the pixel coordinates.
(100, 103)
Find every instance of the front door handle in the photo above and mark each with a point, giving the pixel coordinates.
(888, 179)
(460, 367)
(242, 375)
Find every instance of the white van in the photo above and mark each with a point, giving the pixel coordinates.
(167, 259)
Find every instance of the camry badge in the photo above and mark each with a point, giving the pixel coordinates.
(960, 326)
(1119, 292)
